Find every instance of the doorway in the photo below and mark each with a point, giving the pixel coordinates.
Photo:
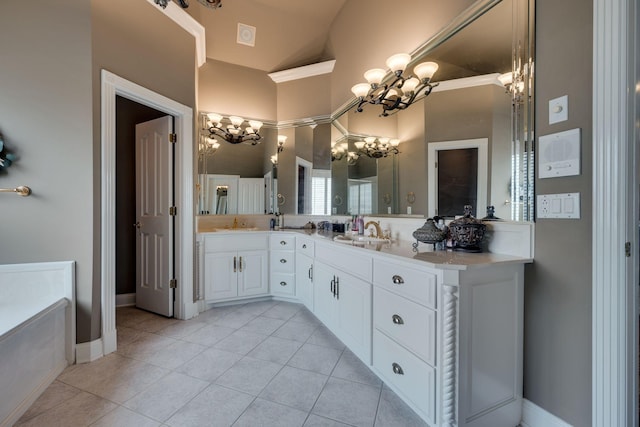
(467, 152)
(128, 114)
(185, 306)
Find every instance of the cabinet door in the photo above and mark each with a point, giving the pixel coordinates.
(324, 302)
(353, 319)
(220, 280)
(304, 280)
(252, 273)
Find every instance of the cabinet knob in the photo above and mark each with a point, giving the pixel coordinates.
(397, 369)
(397, 320)
(282, 242)
(283, 283)
(304, 246)
(398, 280)
(283, 261)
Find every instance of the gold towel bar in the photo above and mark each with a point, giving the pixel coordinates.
(21, 190)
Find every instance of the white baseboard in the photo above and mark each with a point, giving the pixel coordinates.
(89, 351)
(535, 416)
(124, 300)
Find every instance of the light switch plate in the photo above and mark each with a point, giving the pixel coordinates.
(559, 109)
(566, 206)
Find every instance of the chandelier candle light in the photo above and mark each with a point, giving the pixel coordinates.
(402, 91)
(233, 133)
(377, 147)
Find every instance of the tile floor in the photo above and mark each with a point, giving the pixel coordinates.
(265, 364)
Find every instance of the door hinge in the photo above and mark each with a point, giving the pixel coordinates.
(173, 211)
(173, 283)
(173, 138)
(627, 249)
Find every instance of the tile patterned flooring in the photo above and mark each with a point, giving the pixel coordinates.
(266, 363)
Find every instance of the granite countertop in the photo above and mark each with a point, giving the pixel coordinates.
(403, 250)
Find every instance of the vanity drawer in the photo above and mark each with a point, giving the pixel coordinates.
(304, 245)
(350, 260)
(230, 242)
(283, 284)
(413, 283)
(414, 379)
(282, 262)
(406, 322)
(282, 242)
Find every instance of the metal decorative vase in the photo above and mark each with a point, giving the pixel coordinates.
(467, 232)
(429, 233)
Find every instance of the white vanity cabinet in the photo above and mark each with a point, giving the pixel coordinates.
(449, 341)
(235, 266)
(282, 265)
(342, 296)
(304, 270)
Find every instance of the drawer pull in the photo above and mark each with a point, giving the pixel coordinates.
(283, 261)
(304, 246)
(397, 369)
(398, 280)
(283, 283)
(397, 320)
(282, 242)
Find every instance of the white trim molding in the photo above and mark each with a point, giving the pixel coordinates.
(466, 82)
(613, 399)
(124, 300)
(298, 73)
(190, 25)
(89, 351)
(535, 416)
(112, 85)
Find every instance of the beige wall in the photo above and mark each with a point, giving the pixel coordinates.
(362, 37)
(557, 366)
(230, 89)
(45, 117)
(309, 97)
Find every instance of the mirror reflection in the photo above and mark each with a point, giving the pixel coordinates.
(467, 142)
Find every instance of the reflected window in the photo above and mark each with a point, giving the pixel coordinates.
(321, 192)
(361, 192)
(457, 180)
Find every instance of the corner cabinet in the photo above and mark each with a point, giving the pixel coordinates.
(304, 270)
(235, 266)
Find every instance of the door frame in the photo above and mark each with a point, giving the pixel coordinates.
(184, 308)
(482, 144)
(615, 214)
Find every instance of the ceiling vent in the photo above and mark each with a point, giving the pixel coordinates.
(246, 35)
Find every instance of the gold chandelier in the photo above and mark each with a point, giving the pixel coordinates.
(402, 91)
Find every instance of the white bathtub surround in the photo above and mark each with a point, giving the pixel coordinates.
(37, 331)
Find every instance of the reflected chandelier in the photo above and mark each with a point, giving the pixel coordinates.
(339, 151)
(402, 91)
(377, 147)
(233, 133)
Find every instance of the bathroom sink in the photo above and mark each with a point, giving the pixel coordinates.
(354, 240)
(237, 229)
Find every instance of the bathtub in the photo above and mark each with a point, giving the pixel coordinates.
(37, 331)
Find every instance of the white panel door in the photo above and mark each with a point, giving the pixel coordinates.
(251, 196)
(252, 273)
(154, 197)
(221, 276)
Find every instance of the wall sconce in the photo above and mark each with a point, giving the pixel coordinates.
(402, 91)
(281, 140)
(352, 158)
(208, 146)
(377, 147)
(233, 132)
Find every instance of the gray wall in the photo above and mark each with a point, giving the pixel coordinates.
(45, 116)
(557, 362)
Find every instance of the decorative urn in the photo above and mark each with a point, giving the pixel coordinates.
(467, 232)
(429, 233)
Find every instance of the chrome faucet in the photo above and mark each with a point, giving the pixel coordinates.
(376, 225)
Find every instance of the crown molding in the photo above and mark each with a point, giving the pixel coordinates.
(466, 82)
(320, 68)
(190, 25)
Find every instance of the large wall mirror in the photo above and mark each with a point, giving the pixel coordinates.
(468, 142)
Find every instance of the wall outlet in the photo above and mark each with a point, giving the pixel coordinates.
(562, 206)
